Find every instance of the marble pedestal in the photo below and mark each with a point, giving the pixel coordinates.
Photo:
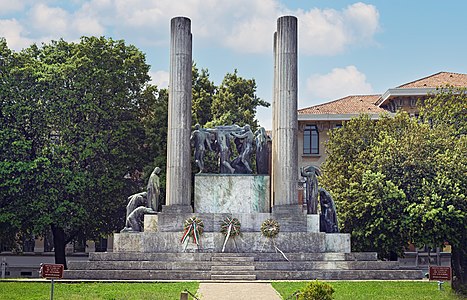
(162, 233)
(231, 193)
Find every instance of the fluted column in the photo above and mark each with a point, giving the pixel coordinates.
(274, 101)
(285, 157)
(178, 192)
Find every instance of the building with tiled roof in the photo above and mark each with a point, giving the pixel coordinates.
(406, 96)
(348, 105)
(437, 80)
(314, 122)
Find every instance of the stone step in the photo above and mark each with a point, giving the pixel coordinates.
(139, 265)
(250, 275)
(133, 256)
(340, 275)
(232, 268)
(231, 263)
(233, 272)
(217, 265)
(137, 274)
(233, 277)
(233, 258)
(207, 256)
(327, 265)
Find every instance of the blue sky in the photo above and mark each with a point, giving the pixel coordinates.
(345, 47)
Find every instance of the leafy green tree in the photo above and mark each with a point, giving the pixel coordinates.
(442, 211)
(79, 105)
(446, 110)
(363, 171)
(398, 179)
(23, 134)
(203, 94)
(235, 102)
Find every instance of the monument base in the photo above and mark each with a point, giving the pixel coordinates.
(248, 242)
(232, 193)
(162, 233)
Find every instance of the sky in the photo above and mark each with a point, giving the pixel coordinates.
(345, 47)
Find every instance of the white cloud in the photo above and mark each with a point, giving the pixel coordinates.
(86, 26)
(252, 36)
(13, 31)
(160, 78)
(252, 32)
(55, 22)
(8, 6)
(246, 26)
(340, 82)
(329, 32)
(363, 20)
(49, 20)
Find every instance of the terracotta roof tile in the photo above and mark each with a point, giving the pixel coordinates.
(347, 105)
(438, 80)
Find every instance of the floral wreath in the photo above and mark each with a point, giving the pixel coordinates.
(270, 228)
(194, 228)
(231, 226)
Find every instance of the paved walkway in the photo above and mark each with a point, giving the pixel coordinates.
(237, 291)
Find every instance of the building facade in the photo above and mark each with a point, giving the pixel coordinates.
(315, 122)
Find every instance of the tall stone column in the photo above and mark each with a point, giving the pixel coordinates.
(178, 191)
(274, 110)
(285, 154)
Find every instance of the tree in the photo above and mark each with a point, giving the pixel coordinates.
(203, 94)
(235, 102)
(442, 213)
(363, 175)
(23, 133)
(398, 179)
(79, 107)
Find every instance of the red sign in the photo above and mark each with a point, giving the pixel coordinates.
(51, 271)
(440, 273)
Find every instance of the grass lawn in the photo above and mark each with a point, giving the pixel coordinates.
(81, 291)
(412, 290)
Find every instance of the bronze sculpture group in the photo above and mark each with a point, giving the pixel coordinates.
(219, 139)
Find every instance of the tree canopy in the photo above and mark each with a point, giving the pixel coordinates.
(235, 102)
(69, 133)
(401, 179)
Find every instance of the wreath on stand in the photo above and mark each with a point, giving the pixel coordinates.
(270, 229)
(194, 228)
(230, 227)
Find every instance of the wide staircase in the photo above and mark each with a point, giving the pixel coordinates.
(237, 266)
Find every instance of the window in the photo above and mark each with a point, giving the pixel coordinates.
(311, 140)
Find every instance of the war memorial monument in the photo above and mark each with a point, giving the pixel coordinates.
(246, 222)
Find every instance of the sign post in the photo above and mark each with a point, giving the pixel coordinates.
(51, 271)
(441, 274)
(4, 264)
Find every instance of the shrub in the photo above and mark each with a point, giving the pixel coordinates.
(316, 290)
